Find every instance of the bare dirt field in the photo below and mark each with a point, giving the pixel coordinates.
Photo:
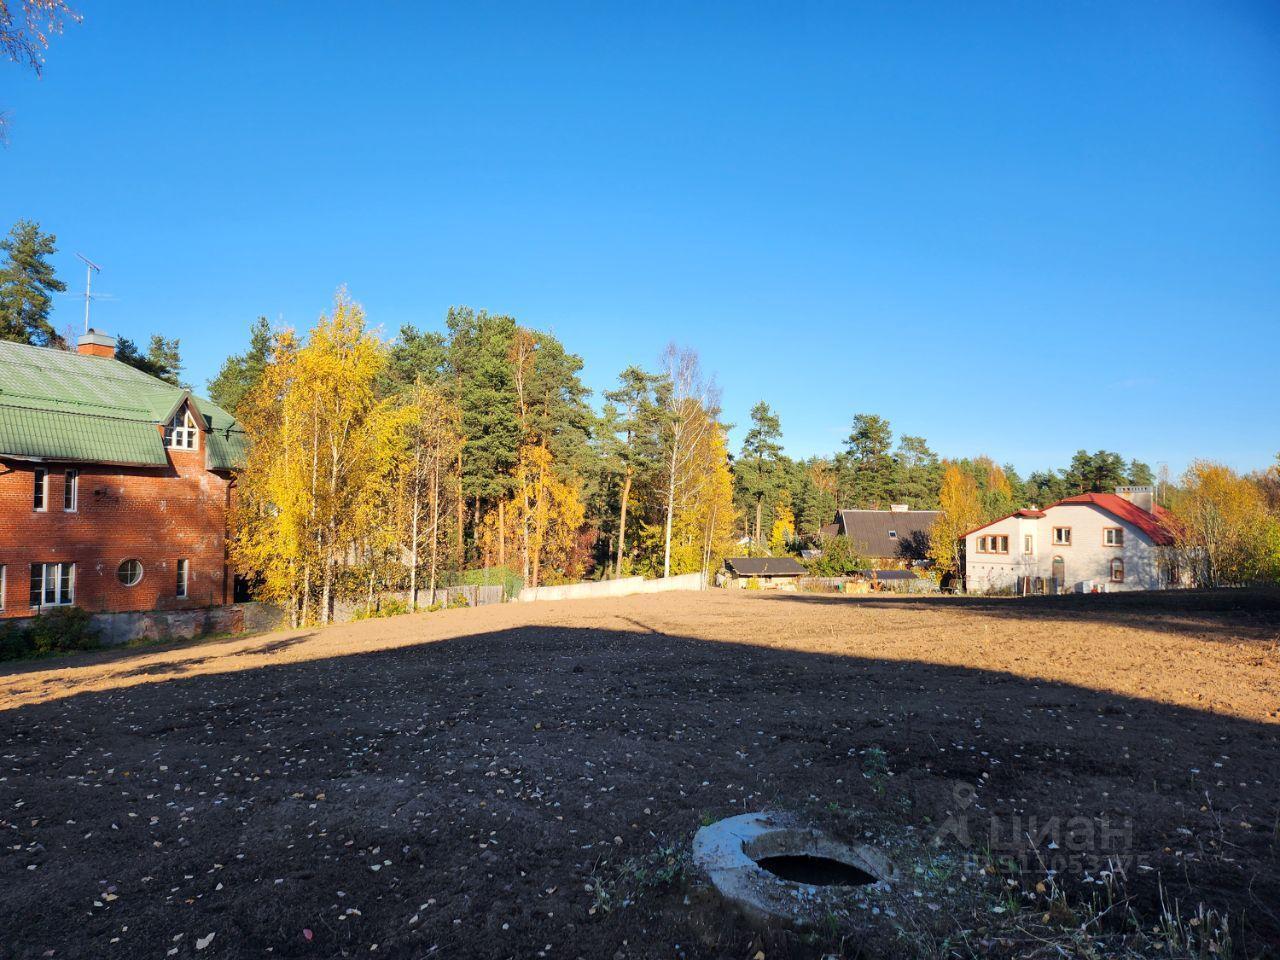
(526, 780)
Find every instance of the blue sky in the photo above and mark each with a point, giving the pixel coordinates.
(1017, 229)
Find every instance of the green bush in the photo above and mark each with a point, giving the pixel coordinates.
(54, 631)
(510, 579)
(838, 559)
(14, 643)
(390, 607)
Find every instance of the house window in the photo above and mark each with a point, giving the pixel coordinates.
(130, 573)
(893, 534)
(41, 488)
(180, 432)
(53, 584)
(3, 583)
(1062, 536)
(71, 491)
(1028, 544)
(1113, 536)
(1117, 570)
(182, 578)
(993, 544)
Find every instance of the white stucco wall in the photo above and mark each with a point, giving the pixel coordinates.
(1088, 558)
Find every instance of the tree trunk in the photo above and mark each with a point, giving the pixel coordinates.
(759, 513)
(671, 506)
(622, 522)
(413, 554)
(326, 592)
(502, 533)
(435, 522)
(462, 558)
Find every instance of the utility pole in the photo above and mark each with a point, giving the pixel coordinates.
(90, 269)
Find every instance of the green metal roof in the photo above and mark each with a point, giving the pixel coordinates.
(58, 405)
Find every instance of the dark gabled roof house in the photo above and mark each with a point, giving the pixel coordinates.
(897, 534)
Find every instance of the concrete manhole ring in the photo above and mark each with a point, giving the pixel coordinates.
(774, 868)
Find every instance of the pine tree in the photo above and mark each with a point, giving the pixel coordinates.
(162, 359)
(635, 420)
(27, 281)
(919, 474)
(241, 372)
(874, 472)
(480, 367)
(758, 463)
(415, 357)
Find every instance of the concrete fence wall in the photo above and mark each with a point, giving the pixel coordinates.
(622, 587)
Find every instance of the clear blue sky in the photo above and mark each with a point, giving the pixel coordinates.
(1017, 229)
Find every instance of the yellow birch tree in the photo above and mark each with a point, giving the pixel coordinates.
(961, 508)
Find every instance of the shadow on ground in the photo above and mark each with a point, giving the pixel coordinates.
(457, 798)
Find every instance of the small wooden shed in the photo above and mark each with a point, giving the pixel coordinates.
(765, 573)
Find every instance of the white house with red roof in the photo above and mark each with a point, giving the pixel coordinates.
(1092, 542)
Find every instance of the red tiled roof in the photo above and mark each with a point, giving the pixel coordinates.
(1154, 525)
(1157, 526)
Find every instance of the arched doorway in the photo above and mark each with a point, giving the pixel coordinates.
(1059, 574)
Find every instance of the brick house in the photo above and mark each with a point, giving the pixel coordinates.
(114, 486)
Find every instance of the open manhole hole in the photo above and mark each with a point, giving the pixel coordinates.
(815, 871)
(771, 866)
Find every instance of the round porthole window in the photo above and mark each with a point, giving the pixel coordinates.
(130, 572)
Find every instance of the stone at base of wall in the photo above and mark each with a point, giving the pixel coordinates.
(117, 628)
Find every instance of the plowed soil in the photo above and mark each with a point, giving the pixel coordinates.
(525, 780)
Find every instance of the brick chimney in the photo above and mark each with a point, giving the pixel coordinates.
(95, 344)
(1144, 497)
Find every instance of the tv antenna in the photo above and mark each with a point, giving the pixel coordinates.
(90, 269)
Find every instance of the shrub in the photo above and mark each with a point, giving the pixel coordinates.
(839, 558)
(63, 628)
(510, 579)
(54, 631)
(15, 643)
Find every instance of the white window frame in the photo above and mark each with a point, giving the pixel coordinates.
(184, 576)
(71, 491)
(893, 534)
(1028, 544)
(40, 488)
(1059, 541)
(1113, 536)
(180, 432)
(1117, 561)
(63, 590)
(142, 572)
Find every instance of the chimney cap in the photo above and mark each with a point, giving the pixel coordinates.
(96, 344)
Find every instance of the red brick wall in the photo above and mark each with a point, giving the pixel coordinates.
(155, 516)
